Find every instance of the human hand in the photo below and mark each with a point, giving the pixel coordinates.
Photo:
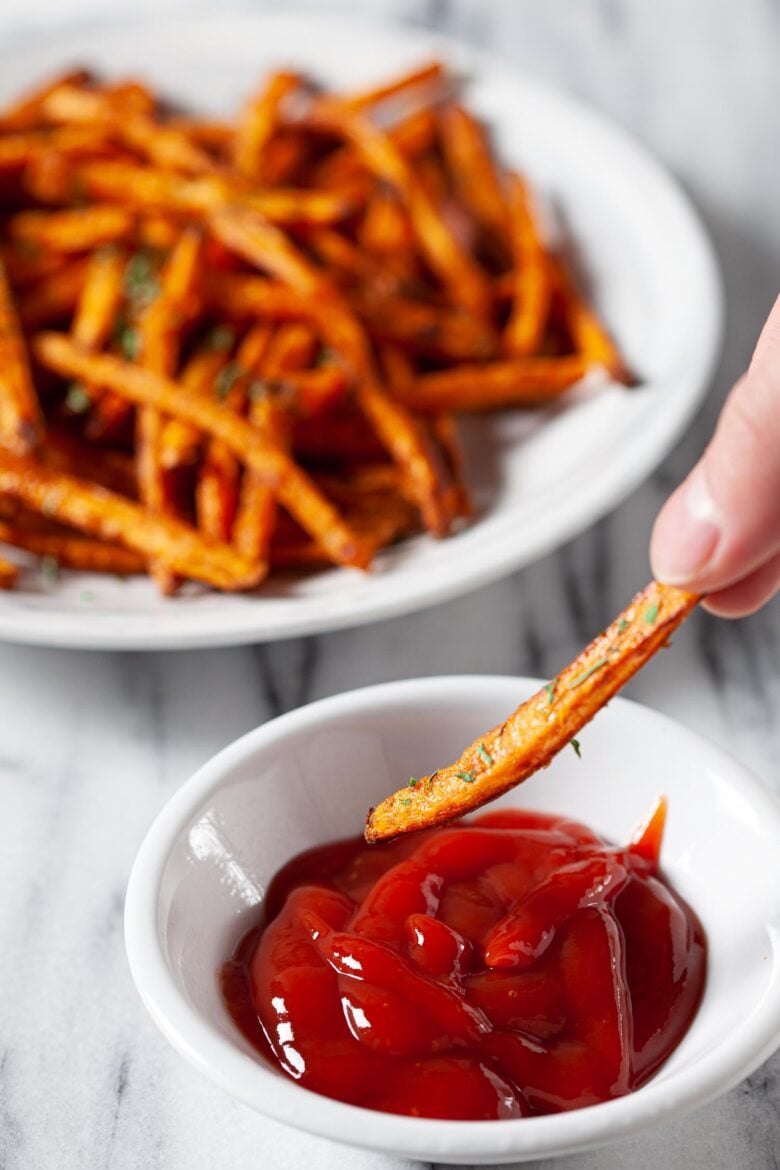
(719, 532)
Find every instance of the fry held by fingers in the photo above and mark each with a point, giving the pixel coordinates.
(541, 727)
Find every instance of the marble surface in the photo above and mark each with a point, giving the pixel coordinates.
(92, 745)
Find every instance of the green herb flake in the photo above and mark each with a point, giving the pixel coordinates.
(575, 743)
(258, 389)
(580, 678)
(50, 568)
(468, 777)
(651, 613)
(129, 342)
(325, 357)
(221, 338)
(226, 380)
(413, 781)
(404, 800)
(550, 688)
(77, 400)
(140, 282)
(86, 598)
(623, 625)
(486, 756)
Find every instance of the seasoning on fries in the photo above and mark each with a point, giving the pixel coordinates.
(542, 726)
(234, 348)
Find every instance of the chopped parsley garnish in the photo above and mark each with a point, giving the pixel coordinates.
(77, 400)
(486, 756)
(404, 800)
(550, 688)
(50, 568)
(325, 357)
(575, 743)
(413, 781)
(469, 777)
(140, 281)
(221, 338)
(129, 342)
(651, 613)
(258, 389)
(623, 624)
(585, 674)
(226, 380)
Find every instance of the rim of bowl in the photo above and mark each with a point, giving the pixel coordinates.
(262, 1088)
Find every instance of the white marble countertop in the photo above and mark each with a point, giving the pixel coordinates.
(93, 744)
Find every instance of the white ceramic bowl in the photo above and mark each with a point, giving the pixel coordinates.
(310, 776)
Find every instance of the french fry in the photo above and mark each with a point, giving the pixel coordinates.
(258, 122)
(532, 286)
(464, 280)
(110, 517)
(72, 231)
(26, 113)
(237, 295)
(74, 552)
(101, 296)
(54, 297)
(292, 486)
(535, 733)
(430, 329)
(21, 421)
(104, 466)
(219, 476)
(526, 382)
(588, 334)
(470, 163)
(132, 127)
(430, 73)
(180, 442)
(291, 348)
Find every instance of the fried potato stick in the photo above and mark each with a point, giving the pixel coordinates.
(535, 733)
(528, 381)
(21, 421)
(292, 486)
(103, 514)
(74, 552)
(76, 230)
(532, 286)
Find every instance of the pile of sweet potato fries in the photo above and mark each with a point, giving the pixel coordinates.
(227, 348)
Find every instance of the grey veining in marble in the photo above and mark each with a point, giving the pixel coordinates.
(93, 744)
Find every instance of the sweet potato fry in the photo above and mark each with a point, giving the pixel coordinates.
(291, 348)
(459, 272)
(54, 297)
(589, 335)
(292, 486)
(105, 466)
(474, 176)
(180, 443)
(237, 295)
(26, 113)
(76, 230)
(258, 122)
(102, 514)
(530, 738)
(425, 75)
(132, 127)
(526, 382)
(21, 421)
(532, 286)
(101, 296)
(430, 329)
(74, 552)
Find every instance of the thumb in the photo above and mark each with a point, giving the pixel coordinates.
(723, 523)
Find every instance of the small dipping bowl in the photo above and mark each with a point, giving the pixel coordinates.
(310, 776)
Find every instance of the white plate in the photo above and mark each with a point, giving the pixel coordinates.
(538, 480)
(310, 776)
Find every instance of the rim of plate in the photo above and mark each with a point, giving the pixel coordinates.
(249, 1081)
(486, 551)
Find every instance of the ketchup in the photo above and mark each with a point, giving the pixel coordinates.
(511, 965)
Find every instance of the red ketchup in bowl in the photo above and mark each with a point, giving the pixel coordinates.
(511, 965)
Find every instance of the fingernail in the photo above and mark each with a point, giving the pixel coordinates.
(686, 533)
